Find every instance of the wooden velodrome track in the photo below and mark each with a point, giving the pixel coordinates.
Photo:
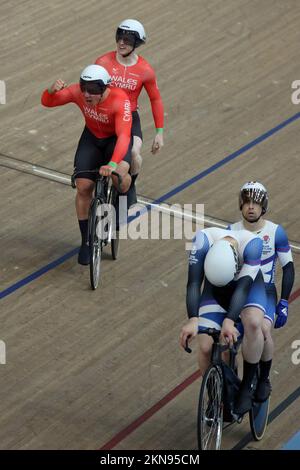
(83, 366)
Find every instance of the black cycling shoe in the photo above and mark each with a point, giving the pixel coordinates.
(263, 390)
(243, 402)
(84, 255)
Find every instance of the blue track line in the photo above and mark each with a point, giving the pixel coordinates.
(293, 443)
(228, 159)
(38, 273)
(163, 198)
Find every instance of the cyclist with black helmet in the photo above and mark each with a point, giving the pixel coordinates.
(131, 72)
(253, 203)
(225, 284)
(106, 139)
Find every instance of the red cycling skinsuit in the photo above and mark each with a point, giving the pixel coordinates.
(111, 117)
(132, 79)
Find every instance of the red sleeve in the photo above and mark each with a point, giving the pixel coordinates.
(100, 61)
(104, 60)
(57, 99)
(157, 106)
(123, 122)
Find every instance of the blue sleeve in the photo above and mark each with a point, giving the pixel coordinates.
(196, 273)
(283, 251)
(281, 240)
(282, 247)
(199, 249)
(253, 251)
(252, 258)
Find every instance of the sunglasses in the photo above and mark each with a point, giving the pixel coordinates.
(127, 38)
(93, 88)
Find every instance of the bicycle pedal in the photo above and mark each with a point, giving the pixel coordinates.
(237, 418)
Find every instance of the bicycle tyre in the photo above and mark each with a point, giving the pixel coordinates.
(115, 241)
(258, 417)
(210, 410)
(95, 244)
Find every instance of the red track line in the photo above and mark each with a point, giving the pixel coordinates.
(294, 295)
(135, 424)
(161, 403)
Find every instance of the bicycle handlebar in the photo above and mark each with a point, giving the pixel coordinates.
(95, 172)
(215, 334)
(187, 348)
(119, 180)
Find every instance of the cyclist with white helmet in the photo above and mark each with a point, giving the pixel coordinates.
(106, 139)
(228, 266)
(253, 203)
(131, 72)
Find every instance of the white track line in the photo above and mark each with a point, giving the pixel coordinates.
(63, 178)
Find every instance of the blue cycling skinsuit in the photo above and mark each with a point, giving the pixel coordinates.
(247, 289)
(275, 245)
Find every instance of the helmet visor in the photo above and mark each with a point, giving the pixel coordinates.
(93, 87)
(255, 195)
(128, 37)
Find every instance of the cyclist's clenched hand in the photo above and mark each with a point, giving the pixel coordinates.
(189, 330)
(229, 333)
(56, 86)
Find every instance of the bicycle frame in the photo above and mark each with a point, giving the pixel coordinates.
(99, 227)
(220, 405)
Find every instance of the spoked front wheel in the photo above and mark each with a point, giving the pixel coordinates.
(258, 416)
(210, 410)
(95, 244)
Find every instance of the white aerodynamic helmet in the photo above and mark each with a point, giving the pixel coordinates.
(95, 73)
(94, 79)
(221, 263)
(256, 192)
(133, 27)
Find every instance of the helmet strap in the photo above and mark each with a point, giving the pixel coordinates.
(127, 55)
(252, 221)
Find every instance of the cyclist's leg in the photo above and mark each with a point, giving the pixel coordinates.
(137, 160)
(204, 352)
(268, 320)
(123, 166)
(253, 341)
(123, 170)
(125, 189)
(263, 388)
(136, 132)
(85, 159)
(211, 315)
